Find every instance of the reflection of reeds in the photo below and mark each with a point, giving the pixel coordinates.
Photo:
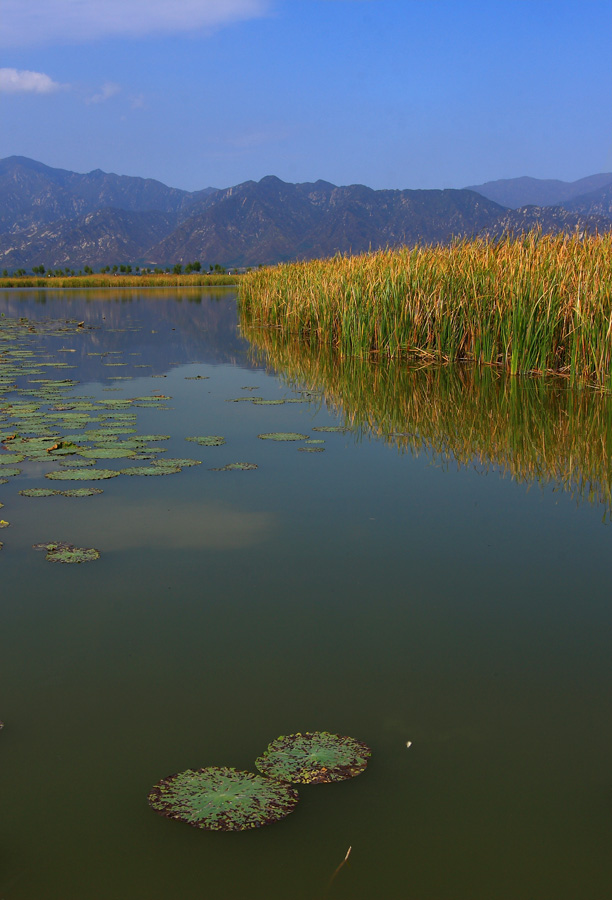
(533, 304)
(534, 429)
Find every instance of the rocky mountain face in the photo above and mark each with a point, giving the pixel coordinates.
(57, 218)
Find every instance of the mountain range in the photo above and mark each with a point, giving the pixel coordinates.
(57, 218)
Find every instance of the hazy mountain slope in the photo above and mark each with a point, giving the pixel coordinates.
(32, 193)
(596, 203)
(551, 219)
(270, 221)
(103, 237)
(525, 191)
(59, 218)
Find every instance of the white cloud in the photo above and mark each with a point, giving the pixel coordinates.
(108, 90)
(26, 22)
(22, 81)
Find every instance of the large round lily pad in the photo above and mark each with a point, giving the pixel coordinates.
(222, 799)
(314, 757)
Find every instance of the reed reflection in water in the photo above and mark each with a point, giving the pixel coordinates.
(535, 430)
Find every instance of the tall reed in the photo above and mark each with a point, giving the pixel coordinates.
(535, 304)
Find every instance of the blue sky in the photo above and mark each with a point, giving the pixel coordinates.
(388, 93)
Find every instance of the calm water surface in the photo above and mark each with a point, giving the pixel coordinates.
(396, 587)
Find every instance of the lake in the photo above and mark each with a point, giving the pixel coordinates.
(439, 575)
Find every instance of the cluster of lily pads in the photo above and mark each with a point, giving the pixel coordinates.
(224, 799)
(42, 420)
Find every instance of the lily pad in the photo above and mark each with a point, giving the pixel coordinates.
(151, 470)
(77, 463)
(314, 757)
(283, 436)
(113, 452)
(311, 449)
(79, 492)
(177, 463)
(38, 492)
(58, 551)
(234, 466)
(222, 799)
(209, 440)
(82, 474)
(331, 428)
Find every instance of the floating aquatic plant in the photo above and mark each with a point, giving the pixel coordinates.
(331, 428)
(177, 463)
(311, 449)
(314, 757)
(283, 436)
(38, 492)
(82, 474)
(210, 440)
(234, 466)
(222, 799)
(151, 470)
(58, 551)
(116, 452)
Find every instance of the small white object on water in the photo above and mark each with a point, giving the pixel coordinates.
(409, 743)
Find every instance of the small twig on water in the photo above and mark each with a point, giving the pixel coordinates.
(344, 861)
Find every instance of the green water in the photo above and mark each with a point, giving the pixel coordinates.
(390, 588)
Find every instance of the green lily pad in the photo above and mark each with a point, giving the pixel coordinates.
(256, 402)
(79, 492)
(283, 436)
(9, 473)
(151, 470)
(58, 551)
(209, 440)
(331, 428)
(314, 757)
(77, 463)
(311, 449)
(239, 466)
(37, 492)
(82, 474)
(10, 459)
(222, 799)
(177, 463)
(116, 452)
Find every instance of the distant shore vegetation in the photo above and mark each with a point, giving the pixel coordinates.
(114, 276)
(534, 304)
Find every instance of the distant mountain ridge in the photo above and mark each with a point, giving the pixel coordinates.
(526, 191)
(57, 218)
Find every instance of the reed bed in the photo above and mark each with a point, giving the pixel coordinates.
(119, 281)
(535, 430)
(534, 304)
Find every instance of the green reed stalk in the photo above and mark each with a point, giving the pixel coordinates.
(532, 305)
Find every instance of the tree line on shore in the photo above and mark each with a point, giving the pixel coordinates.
(67, 272)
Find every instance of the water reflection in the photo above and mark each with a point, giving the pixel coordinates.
(535, 430)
